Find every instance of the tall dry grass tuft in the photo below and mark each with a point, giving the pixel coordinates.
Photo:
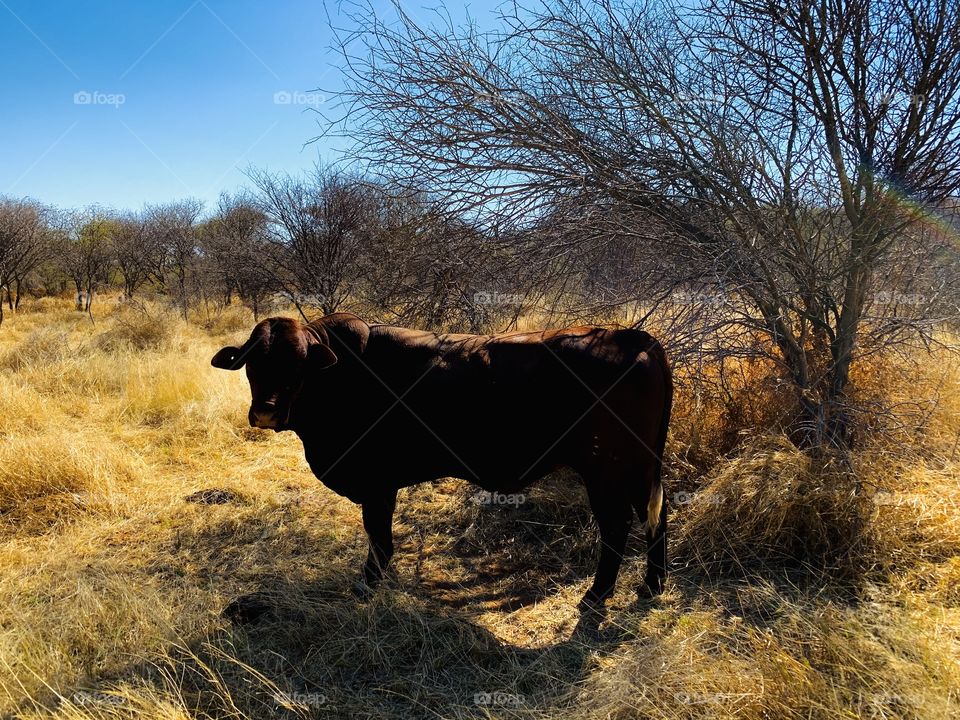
(717, 406)
(907, 402)
(59, 462)
(42, 346)
(226, 321)
(45, 305)
(135, 327)
(774, 508)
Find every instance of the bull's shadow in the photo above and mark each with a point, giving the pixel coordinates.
(315, 653)
(421, 646)
(296, 642)
(395, 656)
(495, 553)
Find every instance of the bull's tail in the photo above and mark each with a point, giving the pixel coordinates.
(654, 506)
(655, 500)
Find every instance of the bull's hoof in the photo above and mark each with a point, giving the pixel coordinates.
(362, 591)
(651, 587)
(593, 611)
(591, 603)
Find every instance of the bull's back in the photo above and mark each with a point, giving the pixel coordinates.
(498, 410)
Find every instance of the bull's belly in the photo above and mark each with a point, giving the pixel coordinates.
(506, 460)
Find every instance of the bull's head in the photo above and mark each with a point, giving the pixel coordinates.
(279, 356)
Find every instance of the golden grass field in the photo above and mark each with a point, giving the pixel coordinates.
(790, 597)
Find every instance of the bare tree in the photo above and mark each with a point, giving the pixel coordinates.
(24, 244)
(425, 266)
(86, 255)
(173, 228)
(237, 248)
(318, 226)
(780, 155)
(136, 251)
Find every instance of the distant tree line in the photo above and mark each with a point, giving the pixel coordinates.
(321, 242)
(326, 241)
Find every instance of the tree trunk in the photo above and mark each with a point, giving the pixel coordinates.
(825, 425)
(89, 302)
(182, 281)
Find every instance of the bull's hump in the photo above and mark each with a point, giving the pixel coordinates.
(425, 339)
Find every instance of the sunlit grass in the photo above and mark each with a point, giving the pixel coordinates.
(112, 584)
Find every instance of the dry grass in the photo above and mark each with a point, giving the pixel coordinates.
(774, 509)
(792, 597)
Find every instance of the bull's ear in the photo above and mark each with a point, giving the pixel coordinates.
(321, 356)
(228, 359)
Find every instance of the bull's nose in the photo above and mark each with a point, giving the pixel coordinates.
(266, 420)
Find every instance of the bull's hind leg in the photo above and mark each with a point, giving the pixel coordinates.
(614, 515)
(656, 534)
(651, 506)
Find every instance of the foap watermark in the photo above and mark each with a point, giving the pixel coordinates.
(497, 97)
(901, 99)
(301, 699)
(308, 299)
(682, 497)
(894, 297)
(694, 98)
(881, 704)
(889, 498)
(86, 97)
(709, 698)
(690, 297)
(497, 498)
(93, 697)
(494, 297)
(298, 97)
(497, 699)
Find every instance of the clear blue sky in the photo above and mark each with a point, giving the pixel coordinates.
(122, 102)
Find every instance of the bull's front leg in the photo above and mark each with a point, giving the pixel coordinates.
(378, 522)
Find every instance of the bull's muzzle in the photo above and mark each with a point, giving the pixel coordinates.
(266, 417)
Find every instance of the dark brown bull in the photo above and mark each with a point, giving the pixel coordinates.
(379, 408)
